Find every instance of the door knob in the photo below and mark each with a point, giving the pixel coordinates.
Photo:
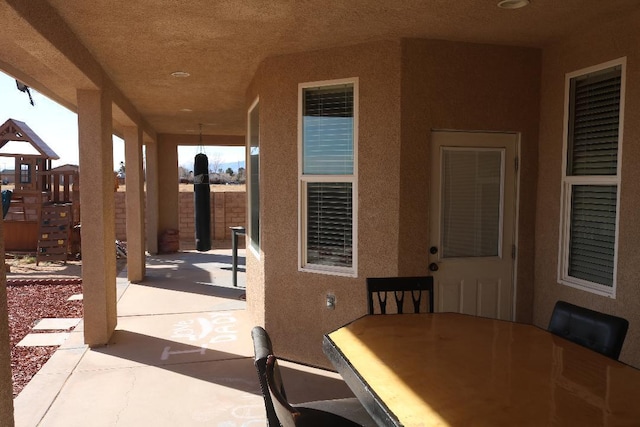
(433, 266)
(433, 250)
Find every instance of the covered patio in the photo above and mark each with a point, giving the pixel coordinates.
(350, 112)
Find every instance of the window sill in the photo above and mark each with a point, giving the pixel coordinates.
(590, 287)
(331, 271)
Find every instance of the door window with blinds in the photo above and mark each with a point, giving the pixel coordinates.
(328, 198)
(591, 178)
(471, 202)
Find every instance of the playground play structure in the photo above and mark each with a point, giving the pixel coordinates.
(43, 214)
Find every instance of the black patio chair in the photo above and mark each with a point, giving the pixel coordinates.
(311, 413)
(262, 348)
(288, 416)
(597, 331)
(399, 287)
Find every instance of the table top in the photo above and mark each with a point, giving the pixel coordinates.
(459, 370)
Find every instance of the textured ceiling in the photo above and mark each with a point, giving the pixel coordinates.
(140, 43)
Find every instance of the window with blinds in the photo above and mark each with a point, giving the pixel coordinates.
(327, 176)
(594, 119)
(593, 233)
(591, 178)
(329, 223)
(328, 131)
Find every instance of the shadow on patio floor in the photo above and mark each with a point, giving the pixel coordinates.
(181, 355)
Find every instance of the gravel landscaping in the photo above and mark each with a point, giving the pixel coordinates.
(36, 292)
(27, 304)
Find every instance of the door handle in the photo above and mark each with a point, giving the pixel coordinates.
(433, 266)
(433, 250)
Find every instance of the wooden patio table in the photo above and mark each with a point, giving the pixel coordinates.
(449, 369)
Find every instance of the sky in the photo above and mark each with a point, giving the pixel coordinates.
(58, 128)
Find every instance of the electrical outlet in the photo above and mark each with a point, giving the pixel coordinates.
(331, 301)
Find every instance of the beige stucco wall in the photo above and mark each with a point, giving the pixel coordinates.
(406, 88)
(463, 86)
(96, 198)
(255, 257)
(597, 45)
(296, 314)
(167, 184)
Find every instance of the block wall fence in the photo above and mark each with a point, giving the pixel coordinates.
(228, 209)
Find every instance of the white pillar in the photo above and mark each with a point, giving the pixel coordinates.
(97, 216)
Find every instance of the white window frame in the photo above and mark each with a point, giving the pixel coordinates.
(569, 181)
(303, 179)
(255, 249)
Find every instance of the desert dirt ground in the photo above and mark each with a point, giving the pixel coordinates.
(24, 266)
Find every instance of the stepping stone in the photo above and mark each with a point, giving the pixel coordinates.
(61, 324)
(44, 339)
(76, 297)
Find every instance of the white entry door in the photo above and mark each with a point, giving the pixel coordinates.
(472, 222)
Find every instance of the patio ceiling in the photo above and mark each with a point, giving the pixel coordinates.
(60, 45)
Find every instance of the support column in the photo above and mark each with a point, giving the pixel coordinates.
(6, 386)
(153, 232)
(134, 203)
(168, 184)
(97, 216)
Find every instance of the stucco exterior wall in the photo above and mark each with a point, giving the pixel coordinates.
(254, 259)
(407, 88)
(464, 86)
(167, 184)
(295, 309)
(596, 45)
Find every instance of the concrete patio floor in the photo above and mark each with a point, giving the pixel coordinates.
(181, 355)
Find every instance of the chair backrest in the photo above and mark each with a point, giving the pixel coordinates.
(597, 331)
(262, 349)
(286, 413)
(398, 288)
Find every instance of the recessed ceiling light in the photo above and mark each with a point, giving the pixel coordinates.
(186, 110)
(180, 74)
(513, 4)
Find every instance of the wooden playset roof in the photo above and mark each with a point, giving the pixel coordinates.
(14, 130)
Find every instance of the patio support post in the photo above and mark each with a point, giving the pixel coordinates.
(97, 179)
(153, 231)
(168, 184)
(134, 203)
(6, 387)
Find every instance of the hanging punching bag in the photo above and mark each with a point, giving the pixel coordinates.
(202, 196)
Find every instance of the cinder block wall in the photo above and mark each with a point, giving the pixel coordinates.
(228, 209)
(121, 215)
